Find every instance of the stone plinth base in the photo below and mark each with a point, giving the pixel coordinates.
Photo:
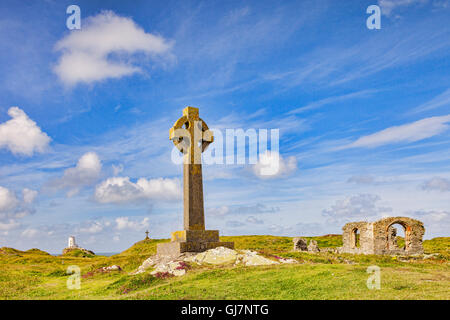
(192, 241)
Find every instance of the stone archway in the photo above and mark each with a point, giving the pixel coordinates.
(383, 236)
(392, 234)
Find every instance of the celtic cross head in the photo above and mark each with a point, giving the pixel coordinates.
(191, 135)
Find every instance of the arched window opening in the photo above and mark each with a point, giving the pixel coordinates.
(356, 238)
(397, 237)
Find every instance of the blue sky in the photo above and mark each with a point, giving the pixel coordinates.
(364, 116)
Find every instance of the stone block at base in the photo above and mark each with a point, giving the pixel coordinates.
(177, 248)
(195, 236)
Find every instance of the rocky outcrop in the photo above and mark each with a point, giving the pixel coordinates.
(216, 256)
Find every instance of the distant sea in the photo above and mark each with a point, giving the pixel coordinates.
(106, 254)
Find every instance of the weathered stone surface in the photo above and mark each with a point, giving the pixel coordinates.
(379, 237)
(300, 244)
(216, 256)
(196, 236)
(312, 246)
(114, 267)
(219, 255)
(251, 258)
(174, 249)
(175, 268)
(287, 260)
(191, 136)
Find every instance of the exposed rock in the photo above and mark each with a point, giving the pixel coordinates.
(112, 268)
(300, 244)
(312, 246)
(176, 268)
(219, 255)
(251, 258)
(287, 260)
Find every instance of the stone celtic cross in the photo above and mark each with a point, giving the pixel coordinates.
(191, 136)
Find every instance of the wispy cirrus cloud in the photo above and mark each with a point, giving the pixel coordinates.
(411, 132)
(389, 6)
(439, 101)
(331, 100)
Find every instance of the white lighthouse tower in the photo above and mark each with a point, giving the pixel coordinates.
(72, 243)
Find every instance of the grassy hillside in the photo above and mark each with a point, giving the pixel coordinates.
(34, 274)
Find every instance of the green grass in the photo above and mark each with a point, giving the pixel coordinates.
(34, 274)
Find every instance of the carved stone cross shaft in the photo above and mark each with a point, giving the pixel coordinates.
(191, 136)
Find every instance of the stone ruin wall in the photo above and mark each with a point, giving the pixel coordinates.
(365, 237)
(414, 231)
(379, 237)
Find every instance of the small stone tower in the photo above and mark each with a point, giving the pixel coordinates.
(72, 243)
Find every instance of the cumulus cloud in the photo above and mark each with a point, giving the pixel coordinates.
(122, 190)
(87, 54)
(272, 165)
(437, 183)
(125, 223)
(21, 135)
(411, 132)
(85, 173)
(357, 207)
(13, 208)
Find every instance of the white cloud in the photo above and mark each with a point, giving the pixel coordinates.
(388, 6)
(362, 179)
(354, 208)
(411, 132)
(86, 54)
(21, 135)
(441, 100)
(241, 210)
(436, 220)
(272, 165)
(85, 173)
(125, 223)
(9, 225)
(92, 227)
(29, 195)
(122, 190)
(331, 100)
(254, 220)
(8, 200)
(12, 208)
(437, 183)
(30, 233)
